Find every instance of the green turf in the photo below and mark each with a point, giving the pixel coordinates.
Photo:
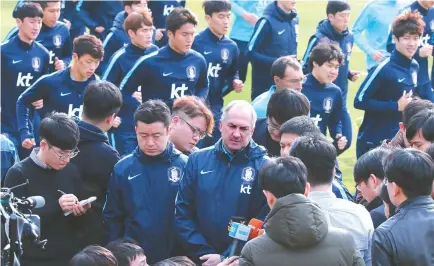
(310, 13)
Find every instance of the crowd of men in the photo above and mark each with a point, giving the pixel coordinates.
(133, 113)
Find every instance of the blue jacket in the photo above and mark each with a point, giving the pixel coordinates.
(260, 103)
(57, 41)
(21, 65)
(59, 92)
(118, 67)
(167, 75)
(140, 200)
(325, 33)
(222, 59)
(98, 13)
(8, 156)
(325, 105)
(276, 35)
(241, 30)
(372, 26)
(69, 12)
(215, 188)
(116, 39)
(379, 94)
(423, 78)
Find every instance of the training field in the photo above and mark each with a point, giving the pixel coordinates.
(310, 13)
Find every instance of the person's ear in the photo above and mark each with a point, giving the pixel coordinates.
(19, 22)
(74, 57)
(220, 125)
(207, 18)
(128, 9)
(374, 179)
(330, 17)
(271, 199)
(401, 127)
(396, 190)
(170, 34)
(109, 120)
(395, 40)
(307, 189)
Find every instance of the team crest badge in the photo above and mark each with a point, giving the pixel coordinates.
(248, 175)
(327, 105)
(57, 40)
(414, 78)
(191, 72)
(36, 63)
(225, 55)
(174, 175)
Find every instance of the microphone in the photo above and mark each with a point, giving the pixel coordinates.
(239, 232)
(32, 202)
(255, 226)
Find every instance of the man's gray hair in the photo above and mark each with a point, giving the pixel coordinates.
(243, 104)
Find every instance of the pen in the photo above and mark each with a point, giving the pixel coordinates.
(63, 193)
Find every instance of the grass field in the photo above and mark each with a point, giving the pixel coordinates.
(310, 13)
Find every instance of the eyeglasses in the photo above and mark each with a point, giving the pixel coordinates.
(385, 181)
(301, 80)
(358, 185)
(196, 132)
(61, 157)
(273, 127)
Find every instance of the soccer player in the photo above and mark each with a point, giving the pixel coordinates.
(221, 55)
(138, 25)
(118, 37)
(386, 91)
(54, 35)
(425, 47)
(324, 96)
(23, 61)
(335, 30)
(160, 11)
(173, 71)
(69, 13)
(276, 35)
(61, 91)
(98, 16)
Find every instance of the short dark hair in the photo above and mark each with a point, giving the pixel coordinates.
(94, 256)
(215, 6)
(178, 17)
(28, 10)
(153, 111)
(286, 104)
(44, 4)
(423, 121)
(101, 99)
(284, 176)
(193, 107)
(318, 155)
(279, 66)
(300, 126)
(413, 107)
(430, 151)
(384, 195)
(176, 261)
(370, 163)
(60, 131)
(325, 52)
(411, 170)
(136, 20)
(334, 7)
(125, 252)
(408, 22)
(88, 44)
(130, 3)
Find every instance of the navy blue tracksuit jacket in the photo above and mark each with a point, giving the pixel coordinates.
(424, 84)
(215, 187)
(57, 41)
(69, 12)
(167, 75)
(141, 200)
(378, 96)
(275, 35)
(21, 65)
(59, 92)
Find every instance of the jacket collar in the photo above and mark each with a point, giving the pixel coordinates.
(315, 83)
(282, 15)
(415, 202)
(131, 48)
(24, 45)
(400, 59)
(172, 53)
(165, 156)
(326, 28)
(212, 36)
(239, 156)
(416, 6)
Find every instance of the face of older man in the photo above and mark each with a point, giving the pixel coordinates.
(237, 128)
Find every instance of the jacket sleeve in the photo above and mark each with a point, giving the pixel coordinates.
(113, 71)
(34, 93)
(114, 213)
(83, 8)
(246, 257)
(237, 9)
(313, 41)
(232, 74)
(359, 27)
(13, 32)
(134, 78)
(334, 123)
(67, 50)
(364, 98)
(202, 85)
(381, 249)
(258, 42)
(186, 228)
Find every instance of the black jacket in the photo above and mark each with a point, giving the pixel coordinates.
(376, 210)
(407, 237)
(95, 163)
(262, 137)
